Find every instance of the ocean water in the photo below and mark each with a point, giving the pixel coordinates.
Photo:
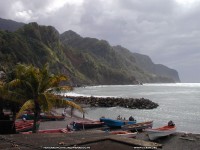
(179, 102)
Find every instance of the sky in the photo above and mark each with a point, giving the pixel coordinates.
(166, 30)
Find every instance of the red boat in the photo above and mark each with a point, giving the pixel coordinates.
(86, 124)
(24, 126)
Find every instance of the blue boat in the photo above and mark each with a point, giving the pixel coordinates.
(116, 123)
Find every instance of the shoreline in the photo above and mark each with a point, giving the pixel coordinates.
(177, 141)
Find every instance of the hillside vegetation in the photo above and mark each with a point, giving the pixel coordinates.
(87, 61)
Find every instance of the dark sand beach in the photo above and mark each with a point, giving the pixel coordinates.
(93, 139)
(178, 141)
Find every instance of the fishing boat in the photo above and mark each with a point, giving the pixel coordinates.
(86, 124)
(124, 134)
(138, 126)
(156, 133)
(24, 126)
(44, 117)
(116, 123)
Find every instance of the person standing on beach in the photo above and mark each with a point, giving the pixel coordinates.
(72, 111)
(131, 118)
(64, 112)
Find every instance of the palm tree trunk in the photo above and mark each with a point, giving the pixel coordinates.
(36, 116)
(35, 122)
(13, 110)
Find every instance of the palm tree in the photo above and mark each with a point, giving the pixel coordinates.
(35, 88)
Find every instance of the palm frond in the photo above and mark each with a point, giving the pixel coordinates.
(60, 89)
(65, 103)
(14, 83)
(56, 79)
(28, 105)
(11, 96)
(58, 101)
(44, 102)
(1, 83)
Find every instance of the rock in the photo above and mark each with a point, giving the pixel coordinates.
(130, 103)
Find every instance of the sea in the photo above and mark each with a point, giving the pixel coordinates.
(179, 102)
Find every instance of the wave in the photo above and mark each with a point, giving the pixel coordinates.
(148, 84)
(173, 84)
(74, 94)
(83, 95)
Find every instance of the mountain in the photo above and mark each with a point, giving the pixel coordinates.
(10, 25)
(87, 61)
(145, 63)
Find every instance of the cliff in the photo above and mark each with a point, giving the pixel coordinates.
(87, 61)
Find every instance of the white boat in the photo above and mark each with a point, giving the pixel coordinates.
(160, 132)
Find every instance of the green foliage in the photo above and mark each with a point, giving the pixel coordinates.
(33, 87)
(84, 60)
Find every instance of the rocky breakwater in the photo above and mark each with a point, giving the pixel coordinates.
(132, 103)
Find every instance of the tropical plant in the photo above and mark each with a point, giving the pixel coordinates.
(34, 88)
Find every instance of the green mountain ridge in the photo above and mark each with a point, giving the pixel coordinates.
(10, 25)
(87, 61)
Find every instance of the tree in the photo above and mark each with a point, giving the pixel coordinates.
(35, 89)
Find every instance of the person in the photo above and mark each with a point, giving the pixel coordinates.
(64, 112)
(118, 117)
(171, 123)
(24, 117)
(131, 118)
(83, 115)
(69, 127)
(72, 111)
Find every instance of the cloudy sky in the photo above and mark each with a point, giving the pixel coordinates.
(166, 30)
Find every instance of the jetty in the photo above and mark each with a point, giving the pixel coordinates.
(132, 103)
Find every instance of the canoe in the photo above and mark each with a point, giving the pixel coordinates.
(116, 123)
(24, 126)
(124, 134)
(154, 134)
(86, 124)
(64, 130)
(138, 126)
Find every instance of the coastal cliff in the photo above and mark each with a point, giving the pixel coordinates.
(87, 61)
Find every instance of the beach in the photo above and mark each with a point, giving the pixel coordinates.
(177, 141)
(94, 139)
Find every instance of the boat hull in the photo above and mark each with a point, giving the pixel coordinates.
(86, 124)
(154, 134)
(116, 123)
(24, 126)
(138, 126)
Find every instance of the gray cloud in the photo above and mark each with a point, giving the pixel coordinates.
(165, 30)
